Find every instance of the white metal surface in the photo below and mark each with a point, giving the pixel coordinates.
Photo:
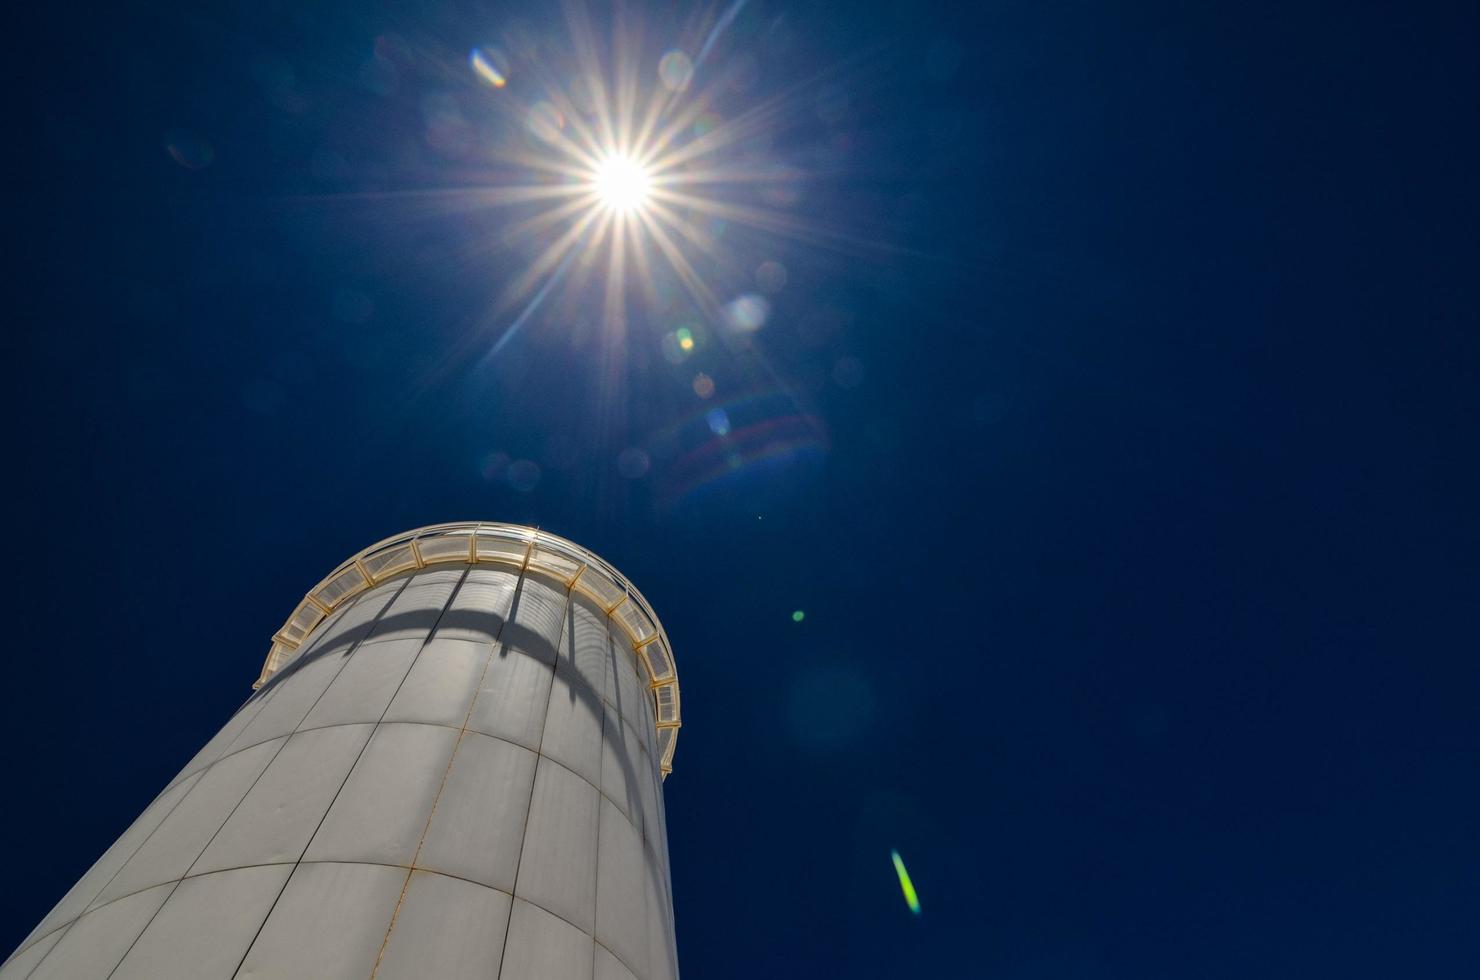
(396, 803)
(474, 543)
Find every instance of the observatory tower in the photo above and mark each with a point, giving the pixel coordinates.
(450, 768)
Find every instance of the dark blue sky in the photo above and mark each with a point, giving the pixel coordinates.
(1113, 427)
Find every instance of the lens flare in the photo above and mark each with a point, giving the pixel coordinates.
(490, 65)
(744, 444)
(634, 162)
(905, 885)
(621, 183)
(638, 186)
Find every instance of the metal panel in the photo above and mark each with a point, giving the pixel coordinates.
(341, 586)
(443, 579)
(666, 696)
(418, 607)
(22, 962)
(607, 592)
(539, 614)
(478, 828)
(453, 547)
(552, 562)
(97, 941)
(631, 694)
(491, 816)
(478, 611)
(82, 894)
(621, 768)
(511, 702)
(621, 912)
(655, 833)
(274, 822)
(642, 723)
(382, 811)
(182, 835)
(608, 967)
(390, 561)
(558, 867)
(661, 965)
(440, 687)
(666, 743)
(647, 794)
(350, 623)
(496, 546)
(588, 648)
(573, 724)
(219, 742)
(562, 565)
(288, 697)
(658, 874)
(660, 659)
(364, 687)
(635, 623)
(205, 927)
(328, 924)
(446, 929)
(544, 947)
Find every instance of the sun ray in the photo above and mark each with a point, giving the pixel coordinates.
(734, 131)
(685, 253)
(637, 200)
(642, 263)
(757, 119)
(583, 39)
(774, 222)
(588, 146)
(681, 121)
(459, 199)
(690, 232)
(545, 219)
(627, 78)
(525, 160)
(548, 259)
(535, 302)
(691, 280)
(613, 308)
(728, 177)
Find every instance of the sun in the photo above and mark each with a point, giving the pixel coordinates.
(621, 183)
(647, 190)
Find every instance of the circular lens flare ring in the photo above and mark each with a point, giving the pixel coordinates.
(621, 182)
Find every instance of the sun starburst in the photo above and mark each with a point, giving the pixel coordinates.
(621, 183)
(625, 170)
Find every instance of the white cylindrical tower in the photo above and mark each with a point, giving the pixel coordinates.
(451, 767)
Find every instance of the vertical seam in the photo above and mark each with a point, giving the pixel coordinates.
(437, 799)
(600, 799)
(351, 771)
(67, 926)
(306, 651)
(529, 806)
(258, 778)
(178, 781)
(201, 774)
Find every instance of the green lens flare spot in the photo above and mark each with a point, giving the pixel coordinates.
(798, 616)
(905, 885)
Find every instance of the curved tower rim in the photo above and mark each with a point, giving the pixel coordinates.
(487, 542)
